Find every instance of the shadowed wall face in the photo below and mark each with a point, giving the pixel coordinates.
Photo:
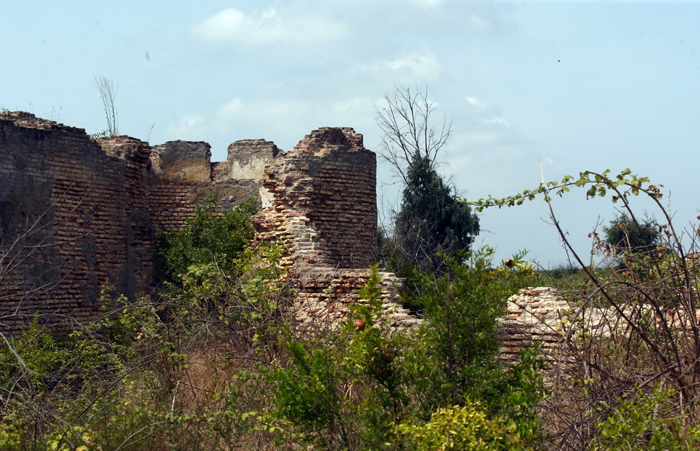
(73, 220)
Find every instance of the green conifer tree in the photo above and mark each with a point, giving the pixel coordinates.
(432, 220)
(627, 236)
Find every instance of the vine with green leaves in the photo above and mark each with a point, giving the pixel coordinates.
(649, 335)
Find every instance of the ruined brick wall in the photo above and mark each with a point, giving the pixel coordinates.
(324, 298)
(243, 171)
(79, 214)
(182, 176)
(71, 219)
(323, 210)
(179, 178)
(534, 315)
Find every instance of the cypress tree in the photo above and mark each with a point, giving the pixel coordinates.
(432, 219)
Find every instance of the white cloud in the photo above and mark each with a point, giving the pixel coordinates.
(475, 102)
(267, 27)
(495, 120)
(188, 127)
(483, 114)
(270, 113)
(232, 110)
(353, 107)
(283, 121)
(288, 121)
(487, 152)
(421, 66)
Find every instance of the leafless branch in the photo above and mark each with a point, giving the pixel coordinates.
(406, 129)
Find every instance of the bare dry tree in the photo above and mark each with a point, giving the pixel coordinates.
(405, 122)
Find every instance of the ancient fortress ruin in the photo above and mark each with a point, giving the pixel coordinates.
(78, 214)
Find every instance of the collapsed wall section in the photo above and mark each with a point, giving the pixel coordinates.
(179, 178)
(182, 176)
(534, 315)
(325, 296)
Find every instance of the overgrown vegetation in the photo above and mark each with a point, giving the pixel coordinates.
(214, 362)
(631, 341)
(177, 373)
(366, 388)
(210, 241)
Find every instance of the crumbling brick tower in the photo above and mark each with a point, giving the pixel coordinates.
(324, 211)
(324, 207)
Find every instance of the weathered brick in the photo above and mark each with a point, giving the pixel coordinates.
(85, 213)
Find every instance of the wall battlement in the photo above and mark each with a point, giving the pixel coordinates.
(78, 214)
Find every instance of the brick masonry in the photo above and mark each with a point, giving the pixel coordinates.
(79, 214)
(323, 207)
(73, 219)
(323, 210)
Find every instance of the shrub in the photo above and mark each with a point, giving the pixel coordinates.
(176, 372)
(353, 390)
(460, 428)
(461, 342)
(209, 240)
(630, 328)
(645, 421)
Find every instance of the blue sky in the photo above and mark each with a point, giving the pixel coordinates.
(575, 85)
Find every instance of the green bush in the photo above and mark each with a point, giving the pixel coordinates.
(213, 363)
(342, 391)
(631, 326)
(465, 428)
(352, 390)
(176, 372)
(647, 421)
(209, 239)
(459, 358)
(63, 390)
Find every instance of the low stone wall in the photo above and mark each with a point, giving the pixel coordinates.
(325, 296)
(534, 315)
(544, 315)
